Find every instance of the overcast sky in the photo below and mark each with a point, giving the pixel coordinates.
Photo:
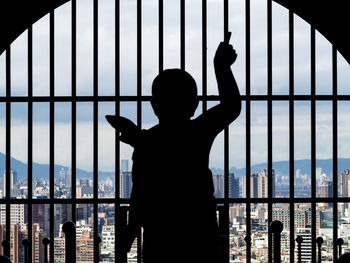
(171, 60)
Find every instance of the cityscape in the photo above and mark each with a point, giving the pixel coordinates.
(237, 225)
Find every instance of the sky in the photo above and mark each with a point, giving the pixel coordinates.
(128, 71)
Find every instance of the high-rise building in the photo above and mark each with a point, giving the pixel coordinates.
(306, 245)
(233, 186)
(219, 185)
(125, 184)
(253, 185)
(325, 189)
(263, 184)
(65, 177)
(344, 186)
(85, 247)
(124, 167)
(107, 246)
(13, 181)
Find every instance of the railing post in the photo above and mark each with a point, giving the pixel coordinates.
(276, 229)
(299, 240)
(248, 241)
(319, 242)
(68, 229)
(121, 227)
(339, 243)
(98, 241)
(6, 245)
(46, 243)
(25, 244)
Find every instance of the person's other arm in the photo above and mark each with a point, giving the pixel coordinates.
(229, 108)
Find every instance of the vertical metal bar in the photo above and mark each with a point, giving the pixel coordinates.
(95, 123)
(291, 135)
(248, 140)
(74, 108)
(52, 129)
(160, 36)
(269, 124)
(226, 155)
(139, 94)
(117, 113)
(313, 143)
(204, 55)
(335, 151)
(8, 142)
(30, 139)
(182, 34)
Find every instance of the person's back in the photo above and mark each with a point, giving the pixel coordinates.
(172, 196)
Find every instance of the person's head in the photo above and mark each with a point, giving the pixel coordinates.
(174, 95)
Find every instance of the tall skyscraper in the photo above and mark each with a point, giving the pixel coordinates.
(125, 184)
(233, 186)
(13, 181)
(344, 186)
(85, 247)
(325, 189)
(124, 167)
(253, 185)
(219, 185)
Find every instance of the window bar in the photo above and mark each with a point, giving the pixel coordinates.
(313, 141)
(335, 151)
(8, 142)
(30, 138)
(52, 131)
(291, 136)
(269, 124)
(117, 113)
(226, 153)
(248, 146)
(139, 96)
(74, 109)
(182, 34)
(204, 55)
(95, 124)
(160, 36)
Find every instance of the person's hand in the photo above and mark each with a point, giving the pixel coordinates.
(127, 130)
(225, 54)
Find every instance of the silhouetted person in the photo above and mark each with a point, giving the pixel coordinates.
(173, 194)
(344, 258)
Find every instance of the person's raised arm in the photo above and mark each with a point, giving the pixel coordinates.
(230, 99)
(128, 131)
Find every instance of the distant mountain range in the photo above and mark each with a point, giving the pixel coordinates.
(41, 171)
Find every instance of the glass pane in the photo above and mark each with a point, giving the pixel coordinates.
(84, 230)
(237, 232)
(343, 75)
(128, 47)
(63, 213)
(280, 144)
(280, 212)
(302, 62)
(171, 28)
(324, 161)
(63, 149)
(3, 74)
(19, 64)
(343, 225)
(41, 57)
(106, 230)
(106, 151)
(280, 49)
(2, 148)
(41, 149)
(84, 48)
(343, 148)
(323, 65)
(63, 52)
(40, 229)
(324, 229)
(84, 150)
(19, 231)
(302, 149)
(106, 47)
(215, 34)
(302, 228)
(259, 232)
(258, 129)
(149, 44)
(237, 27)
(19, 150)
(237, 155)
(258, 46)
